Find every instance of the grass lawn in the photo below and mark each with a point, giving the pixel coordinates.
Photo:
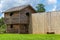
(29, 37)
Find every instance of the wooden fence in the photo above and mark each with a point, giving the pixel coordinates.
(45, 22)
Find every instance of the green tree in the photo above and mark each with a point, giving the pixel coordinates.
(1, 21)
(40, 8)
(2, 25)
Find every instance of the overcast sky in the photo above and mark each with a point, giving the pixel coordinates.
(50, 5)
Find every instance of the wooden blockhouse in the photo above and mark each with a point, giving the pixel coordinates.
(17, 19)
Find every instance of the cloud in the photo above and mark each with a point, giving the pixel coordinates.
(11, 3)
(0, 5)
(6, 4)
(0, 9)
(54, 9)
(52, 1)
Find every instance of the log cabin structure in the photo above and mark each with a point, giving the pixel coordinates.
(17, 19)
(24, 20)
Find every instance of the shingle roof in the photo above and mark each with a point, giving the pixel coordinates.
(17, 8)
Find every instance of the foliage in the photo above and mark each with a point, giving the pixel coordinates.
(2, 26)
(40, 8)
(1, 21)
(3, 29)
(29, 37)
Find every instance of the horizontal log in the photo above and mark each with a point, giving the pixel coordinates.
(16, 20)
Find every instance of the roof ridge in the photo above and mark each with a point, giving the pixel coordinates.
(16, 8)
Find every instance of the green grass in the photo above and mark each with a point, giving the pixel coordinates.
(29, 37)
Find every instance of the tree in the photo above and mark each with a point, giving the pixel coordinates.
(40, 8)
(1, 21)
(2, 25)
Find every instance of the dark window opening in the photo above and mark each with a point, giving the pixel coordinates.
(11, 13)
(50, 32)
(11, 26)
(27, 14)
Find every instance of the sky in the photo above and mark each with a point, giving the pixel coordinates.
(50, 5)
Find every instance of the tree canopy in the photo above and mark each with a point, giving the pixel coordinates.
(40, 8)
